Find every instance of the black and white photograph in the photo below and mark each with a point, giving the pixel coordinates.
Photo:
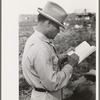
(50, 50)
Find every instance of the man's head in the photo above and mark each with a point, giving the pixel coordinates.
(84, 91)
(51, 18)
(91, 75)
(48, 27)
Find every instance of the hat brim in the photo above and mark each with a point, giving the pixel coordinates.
(89, 74)
(50, 17)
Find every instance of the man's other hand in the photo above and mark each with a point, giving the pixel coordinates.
(73, 59)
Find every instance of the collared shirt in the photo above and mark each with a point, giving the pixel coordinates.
(40, 64)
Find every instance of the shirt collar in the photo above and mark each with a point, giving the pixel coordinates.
(42, 37)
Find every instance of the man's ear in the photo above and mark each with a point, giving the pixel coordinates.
(47, 23)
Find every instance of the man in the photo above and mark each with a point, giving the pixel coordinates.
(85, 87)
(41, 65)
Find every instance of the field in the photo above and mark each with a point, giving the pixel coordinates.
(67, 38)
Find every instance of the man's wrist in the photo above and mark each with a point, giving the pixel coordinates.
(67, 68)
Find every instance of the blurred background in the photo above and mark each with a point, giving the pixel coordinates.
(80, 26)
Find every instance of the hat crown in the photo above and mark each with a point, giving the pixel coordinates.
(92, 71)
(54, 12)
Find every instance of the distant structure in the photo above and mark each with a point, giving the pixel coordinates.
(81, 18)
(81, 11)
(83, 14)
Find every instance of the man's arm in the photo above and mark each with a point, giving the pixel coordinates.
(63, 58)
(50, 78)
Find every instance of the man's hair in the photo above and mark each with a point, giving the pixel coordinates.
(42, 18)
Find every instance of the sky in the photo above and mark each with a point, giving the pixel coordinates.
(30, 6)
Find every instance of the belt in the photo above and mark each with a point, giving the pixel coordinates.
(40, 89)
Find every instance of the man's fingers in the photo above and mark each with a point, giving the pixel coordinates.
(75, 56)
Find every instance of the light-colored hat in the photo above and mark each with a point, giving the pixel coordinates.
(54, 12)
(92, 72)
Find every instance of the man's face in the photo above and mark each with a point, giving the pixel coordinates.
(54, 29)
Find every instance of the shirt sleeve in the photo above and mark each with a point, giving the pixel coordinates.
(51, 79)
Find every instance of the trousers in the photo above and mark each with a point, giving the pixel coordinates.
(36, 95)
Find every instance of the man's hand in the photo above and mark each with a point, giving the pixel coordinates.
(64, 59)
(73, 59)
